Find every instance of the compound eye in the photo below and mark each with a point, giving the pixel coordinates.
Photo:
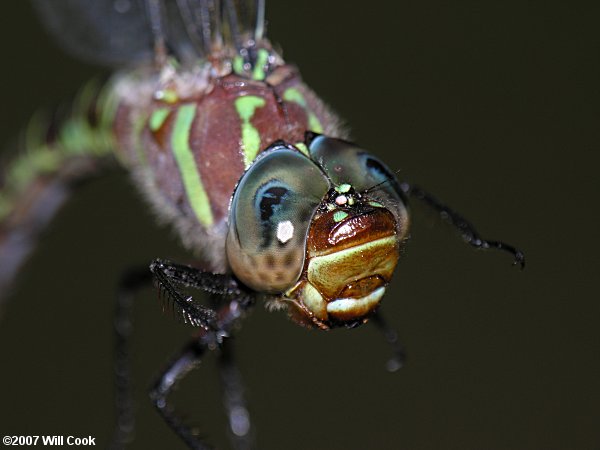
(269, 218)
(346, 163)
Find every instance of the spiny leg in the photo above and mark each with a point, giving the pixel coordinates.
(230, 301)
(391, 337)
(240, 430)
(169, 276)
(188, 359)
(467, 231)
(132, 281)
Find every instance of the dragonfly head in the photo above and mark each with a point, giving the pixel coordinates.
(320, 229)
(351, 255)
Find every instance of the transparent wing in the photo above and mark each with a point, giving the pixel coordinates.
(244, 22)
(120, 32)
(107, 32)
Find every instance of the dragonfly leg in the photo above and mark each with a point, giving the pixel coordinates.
(230, 299)
(240, 431)
(189, 358)
(169, 276)
(132, 281)
(466, 229)
(391, 337)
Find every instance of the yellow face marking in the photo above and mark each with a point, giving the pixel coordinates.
(314, 301)
(354, 308)
(333, 272)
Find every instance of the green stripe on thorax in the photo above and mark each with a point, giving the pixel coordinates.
(190, 175)
(294, 95)
(246, 107)
(158, 117)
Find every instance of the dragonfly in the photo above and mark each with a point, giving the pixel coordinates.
(253, 171)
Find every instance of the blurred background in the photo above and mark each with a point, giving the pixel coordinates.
(494, 108)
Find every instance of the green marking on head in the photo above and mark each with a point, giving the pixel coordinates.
(295, 96)
(338, 216)
(158, 117)
(246, 107)
(303, 148)
(343, 188)
(180, 142)
(376, 204)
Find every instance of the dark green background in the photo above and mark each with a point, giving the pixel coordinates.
(494, 107)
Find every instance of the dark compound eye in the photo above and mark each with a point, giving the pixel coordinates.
(346, 163)
(270, 215)
(377, 168)
(270, 198)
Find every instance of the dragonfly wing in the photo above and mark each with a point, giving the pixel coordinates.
(106, 32)
(244, 22)
(123, 32)
(213, 24)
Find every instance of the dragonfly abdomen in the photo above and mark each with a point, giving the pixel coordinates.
(55, 153)
(188, 148)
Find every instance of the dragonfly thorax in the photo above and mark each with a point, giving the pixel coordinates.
(194, 135)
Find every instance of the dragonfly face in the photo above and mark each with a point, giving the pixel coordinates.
(320, 225)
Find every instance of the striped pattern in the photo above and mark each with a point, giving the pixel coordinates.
(51, 144)
(186, 163)
(295, 96)
(245, 107)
